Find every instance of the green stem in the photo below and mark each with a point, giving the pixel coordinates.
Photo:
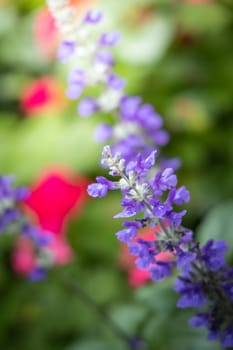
(118, 331)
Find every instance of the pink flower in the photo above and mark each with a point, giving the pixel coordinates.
(46, 34)
(24, 258)
(54, 198)
(137, 277)
(43, 95)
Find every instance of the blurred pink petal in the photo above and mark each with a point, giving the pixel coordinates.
(46, 34)
(54, 197)
(23, 257)
(42, 95)
(61, 251)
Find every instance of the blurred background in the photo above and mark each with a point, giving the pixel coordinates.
(177, 54)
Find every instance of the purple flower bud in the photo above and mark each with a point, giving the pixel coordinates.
(77, 76)
(97, 190)
(160, 271)
(127, 234)
(87, 107)
(227, 339)
(74, 91)
(129, 107)
(160, 137)
(38, 274)
(105, 58)
(200, 320)
(213, 254)
(194, 297)
(103, 133)
(110, 39)
(115, 83)
(93, 17)
(65, 51)
(179, 196)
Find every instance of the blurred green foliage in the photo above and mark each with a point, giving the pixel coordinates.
(179, 57)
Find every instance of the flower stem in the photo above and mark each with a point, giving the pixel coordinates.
(133, 343)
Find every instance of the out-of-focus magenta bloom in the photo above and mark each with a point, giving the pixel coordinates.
(42, 95)
(24, 257)
(54, 198)
(138, 277)
(46, 35)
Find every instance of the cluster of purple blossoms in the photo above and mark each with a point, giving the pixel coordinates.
(136, 127)
(10, 215)
(150, 194)
(150, 199)
(13, 221)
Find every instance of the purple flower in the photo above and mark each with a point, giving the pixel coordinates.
(74, 91)
(105, 58)
(227, 338)
(179, 196)
(93, 17)
(160, 137)
(115, 82)
(103, 132)
(66, 51)
(97, 190)
(110, 39)
(160, 271)
(201, 319)
(174, 218)
(166, 180)
(38, 274)
(184, 259)
(126, 213)
(213, 254)
(192, 294)
(147, 117)
(129, 106)
(87, 107)
(127, 234)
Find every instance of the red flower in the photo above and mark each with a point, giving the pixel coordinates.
(24, 257)
(137, 277)
(53, 199)
(41, 96)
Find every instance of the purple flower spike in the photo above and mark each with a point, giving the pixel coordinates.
(105, 58)
(129, 107)
(65, 51)
(227, 340)
(97, 190)
(116, 83)
(103, 132)
(87, 107)
(74, 91)
(160, 271)
(213, 254)
(93, 17)
(200, 320)
(127, 234)
(110, 39)
(193, 297)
